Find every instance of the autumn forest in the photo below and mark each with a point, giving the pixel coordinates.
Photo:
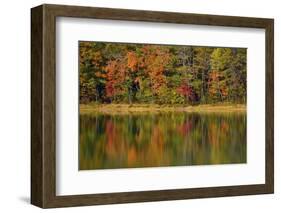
(161, 74)
(148, 105)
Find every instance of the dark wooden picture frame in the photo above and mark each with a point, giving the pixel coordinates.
(43, 105)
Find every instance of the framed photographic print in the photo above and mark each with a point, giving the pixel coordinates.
(136, 106)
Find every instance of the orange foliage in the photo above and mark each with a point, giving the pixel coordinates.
(115, 74)
(132, 61)
(156, 58)
(216, 86)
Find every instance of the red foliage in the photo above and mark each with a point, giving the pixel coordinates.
(109, 89)
(185, 90)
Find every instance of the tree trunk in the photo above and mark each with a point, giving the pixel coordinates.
(129, 96)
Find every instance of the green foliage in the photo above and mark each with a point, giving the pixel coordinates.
(161, 74)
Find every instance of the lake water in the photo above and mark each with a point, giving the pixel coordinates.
(161, 139)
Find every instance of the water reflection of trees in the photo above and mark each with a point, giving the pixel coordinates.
(166, 139)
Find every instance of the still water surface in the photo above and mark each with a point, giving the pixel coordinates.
(161, 139)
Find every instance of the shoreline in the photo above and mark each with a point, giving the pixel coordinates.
(155, 108)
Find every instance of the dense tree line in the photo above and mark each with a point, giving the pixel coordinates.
(162, 74)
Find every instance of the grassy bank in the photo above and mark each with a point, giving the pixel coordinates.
(140, 108)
